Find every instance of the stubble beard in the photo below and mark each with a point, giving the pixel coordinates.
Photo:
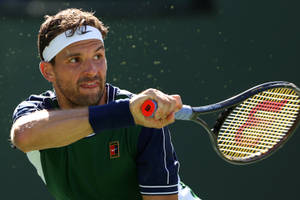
(76, 99)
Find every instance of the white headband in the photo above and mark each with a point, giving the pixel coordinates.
(63, 40)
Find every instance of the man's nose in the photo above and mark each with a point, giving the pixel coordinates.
(90, 68)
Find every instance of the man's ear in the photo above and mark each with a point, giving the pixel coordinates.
(46, 70)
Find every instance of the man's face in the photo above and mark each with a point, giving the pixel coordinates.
(80, 74)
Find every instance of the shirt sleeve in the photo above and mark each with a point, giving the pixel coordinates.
(24, 108)
(34, 103)
(157, 164)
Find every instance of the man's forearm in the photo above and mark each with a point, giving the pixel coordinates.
(50, 129)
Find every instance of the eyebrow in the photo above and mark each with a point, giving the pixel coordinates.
(77, 54)
(100, 47)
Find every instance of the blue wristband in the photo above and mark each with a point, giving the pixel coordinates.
(109, 116)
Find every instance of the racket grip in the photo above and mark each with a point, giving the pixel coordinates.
(149, 108)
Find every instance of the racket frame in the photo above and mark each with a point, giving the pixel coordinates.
(230, 104)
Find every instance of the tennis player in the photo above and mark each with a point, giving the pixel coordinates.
(88, 139)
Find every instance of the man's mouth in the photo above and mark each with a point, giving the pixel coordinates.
(90, 84)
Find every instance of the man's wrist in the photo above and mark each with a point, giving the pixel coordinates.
(109, 116)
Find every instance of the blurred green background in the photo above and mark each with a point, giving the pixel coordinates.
(206, 51)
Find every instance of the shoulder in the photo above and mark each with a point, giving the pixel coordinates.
(46, 100)
(115, 93)
(34, 102)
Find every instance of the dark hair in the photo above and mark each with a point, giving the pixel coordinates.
(69, 19)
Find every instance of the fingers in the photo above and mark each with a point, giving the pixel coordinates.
(178, 102)
(160, 123)
(167, 105)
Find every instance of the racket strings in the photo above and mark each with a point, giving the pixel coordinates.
(271, 96)
(258, 124)
(250, 139)
(251, 121)
(274, 107)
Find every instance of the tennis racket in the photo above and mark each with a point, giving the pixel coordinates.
(252, 125)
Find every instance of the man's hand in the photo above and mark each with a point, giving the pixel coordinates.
(167, 106)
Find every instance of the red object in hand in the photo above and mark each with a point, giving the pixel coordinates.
(148, 108)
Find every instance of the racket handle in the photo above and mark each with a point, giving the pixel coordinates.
(149, 108)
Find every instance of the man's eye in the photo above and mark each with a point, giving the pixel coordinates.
(74, 60)
(97, 57)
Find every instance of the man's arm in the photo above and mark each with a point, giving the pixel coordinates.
(50, 129)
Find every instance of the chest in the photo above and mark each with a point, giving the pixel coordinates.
(95, 166)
